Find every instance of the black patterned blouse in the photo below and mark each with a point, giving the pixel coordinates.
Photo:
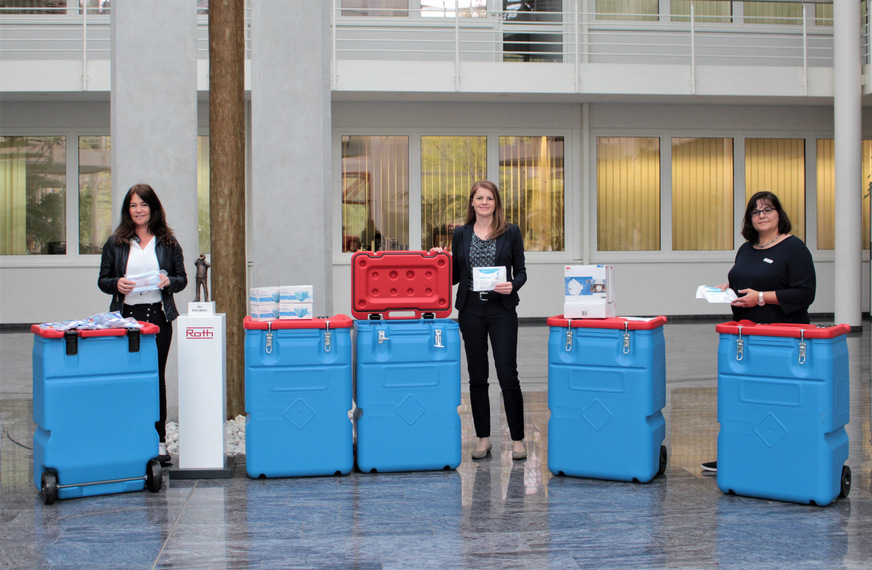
(482, 253)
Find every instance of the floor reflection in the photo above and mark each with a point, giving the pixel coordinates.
(493, 513)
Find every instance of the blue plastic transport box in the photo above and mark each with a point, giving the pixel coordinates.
(298, 382)
(111, 376)
(407, 384)
(782, 408)
(408, 392)
(606, 393)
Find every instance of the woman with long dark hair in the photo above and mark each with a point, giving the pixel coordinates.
(773, 273)
(487, 240)
(144, 243)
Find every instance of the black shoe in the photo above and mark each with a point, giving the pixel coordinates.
(710, 466)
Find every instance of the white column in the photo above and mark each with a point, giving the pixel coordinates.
(292, 192)
(154, 121)
(847, 291)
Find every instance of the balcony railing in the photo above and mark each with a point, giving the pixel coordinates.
(803, 38)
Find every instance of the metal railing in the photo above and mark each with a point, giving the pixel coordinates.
(589, 37)
(569, 37)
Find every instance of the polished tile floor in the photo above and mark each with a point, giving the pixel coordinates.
(493, 513)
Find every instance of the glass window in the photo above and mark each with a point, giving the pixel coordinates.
(719, 11)
(449, 166)
(34, 6)
(628, 193)
(638, 10)
(780, 13)
(32, 195)
(778, 165)
(203, 194)
(532, 189)
(702, 194)
(375, 8)
(445, 8)
(375, 193)
(95, 193)
(826, 193)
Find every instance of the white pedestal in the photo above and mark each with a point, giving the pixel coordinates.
(202, 397)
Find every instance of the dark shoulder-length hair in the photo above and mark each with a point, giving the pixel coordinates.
(498, 224)
(157, 223)
(748, 231)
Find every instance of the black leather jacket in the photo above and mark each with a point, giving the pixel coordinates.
(113, 265)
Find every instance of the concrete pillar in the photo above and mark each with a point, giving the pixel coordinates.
(154, 123)
(292, 192)
(847, 111)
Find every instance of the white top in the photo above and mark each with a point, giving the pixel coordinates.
(142, 260)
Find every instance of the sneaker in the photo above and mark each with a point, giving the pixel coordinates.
(163, 455)
(710, 466)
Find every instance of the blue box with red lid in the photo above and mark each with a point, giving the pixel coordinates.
(95, 390)
(298, 388)
(606, 393)
(407, 383)
(782, 408)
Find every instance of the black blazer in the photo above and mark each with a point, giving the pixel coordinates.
(113, 265)
(510, 254)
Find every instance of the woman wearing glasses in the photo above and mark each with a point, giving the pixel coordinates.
(773, 274)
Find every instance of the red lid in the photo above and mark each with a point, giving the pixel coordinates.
(336, 322)
(609, 323)
(147, 328)
(386, 281)
(790, 330)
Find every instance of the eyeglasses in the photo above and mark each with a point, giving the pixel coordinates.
(767, 211)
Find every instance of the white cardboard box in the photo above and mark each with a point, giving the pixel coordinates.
(588, 291)
(484, 278)
(589, 310)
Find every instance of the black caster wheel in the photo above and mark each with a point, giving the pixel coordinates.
(153, 476)
(846, 481)
(48, 487)
(663, 460)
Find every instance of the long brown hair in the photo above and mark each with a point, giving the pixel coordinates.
(157, 224)
(748, 231)
(498, 224)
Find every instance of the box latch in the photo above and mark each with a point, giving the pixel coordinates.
(133, 340)
(740, 346)
(71, 340)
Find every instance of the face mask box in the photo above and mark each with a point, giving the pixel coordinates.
(588, 291)
(484, 278)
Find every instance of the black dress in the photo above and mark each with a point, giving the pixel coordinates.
(786, 268)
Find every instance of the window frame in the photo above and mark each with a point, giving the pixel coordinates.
(666, 253)
(570, 180)
(72, 257)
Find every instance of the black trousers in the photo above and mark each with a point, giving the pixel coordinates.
(154, 314)
(480, 321)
